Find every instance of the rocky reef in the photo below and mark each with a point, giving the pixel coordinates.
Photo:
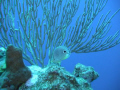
(16, 73)
(53, 77)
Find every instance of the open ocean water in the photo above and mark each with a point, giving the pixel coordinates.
(106, 63)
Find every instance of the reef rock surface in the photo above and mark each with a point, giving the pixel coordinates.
(16, 73)
(54, 77)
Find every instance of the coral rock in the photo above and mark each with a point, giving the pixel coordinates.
(16, 72)
(54, 77)
(85, 72)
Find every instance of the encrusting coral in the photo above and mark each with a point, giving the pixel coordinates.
(16, 72)
(2, 60)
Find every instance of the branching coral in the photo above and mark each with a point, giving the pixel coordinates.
(39, 26)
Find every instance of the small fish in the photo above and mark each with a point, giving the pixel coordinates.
(60, 53)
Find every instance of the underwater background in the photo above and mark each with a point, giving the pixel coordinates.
(106, 63)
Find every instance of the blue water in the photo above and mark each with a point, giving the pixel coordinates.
(106, 63)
